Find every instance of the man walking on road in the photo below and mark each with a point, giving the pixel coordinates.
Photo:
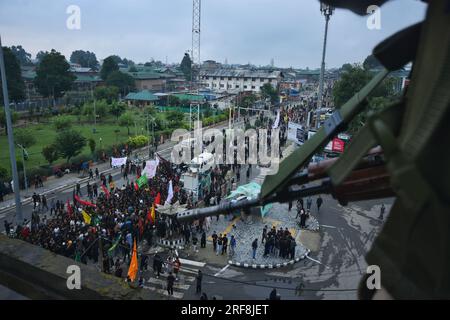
(382, 210)
(319, 202)
(254, 247)
(170, 281)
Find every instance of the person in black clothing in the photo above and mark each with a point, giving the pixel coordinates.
(204, 296)
(170, 282)
(274, 295)
(214, 237)
(7, 227)
(203, 240)
(319, 202)
(199, 281)
(157, 264)
(224, 244)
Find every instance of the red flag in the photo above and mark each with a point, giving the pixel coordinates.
(136, 187)
(151, 215)
(69, 208)
(105, 190)
(84, 203)
(158, 198)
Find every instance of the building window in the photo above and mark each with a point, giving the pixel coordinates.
(221, 85)
(270, 80)
(237, 86)
(261, 79)
(222, 78)
(245, 87)
(253, 79)
(214, 78)
(253, 87)
(229, 78)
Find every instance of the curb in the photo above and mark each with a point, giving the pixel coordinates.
(174, 244)
(268, 266)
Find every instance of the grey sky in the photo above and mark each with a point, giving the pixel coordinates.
(289, 31)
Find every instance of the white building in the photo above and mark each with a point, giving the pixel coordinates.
(234, 81)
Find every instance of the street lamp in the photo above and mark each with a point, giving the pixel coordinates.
(327, 11)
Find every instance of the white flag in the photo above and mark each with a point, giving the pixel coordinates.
(117, 162)
(170, 193)
(150, 168)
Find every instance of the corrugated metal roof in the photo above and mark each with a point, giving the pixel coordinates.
(143, 95)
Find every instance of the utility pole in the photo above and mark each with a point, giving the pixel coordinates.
(327, 11)
(95, 113)
(12, 150)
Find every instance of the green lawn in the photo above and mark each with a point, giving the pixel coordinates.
(45, 134)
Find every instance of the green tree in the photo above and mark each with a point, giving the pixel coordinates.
(70, 143)
(117, 108)
(121, 80)
(173, 101)
(174, 117)
(62, 123)
(22, 56)
(16, 85)
(85, 59)
(101, 109)
(109, 93)
(267, 91)
(40, 55)
(109, 65)
(50, 153)
(186, 66)
(126, 120)
(14, 118)
(53, 76)
(133, 69)
(24, 137)
(248, 101)
(92, 145)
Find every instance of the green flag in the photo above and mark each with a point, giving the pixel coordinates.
(111, 250)
(142, 181)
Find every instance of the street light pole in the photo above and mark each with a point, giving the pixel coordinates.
(327, 11)
(12, 151)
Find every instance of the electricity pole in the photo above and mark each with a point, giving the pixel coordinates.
(12, 150)
(327, 11)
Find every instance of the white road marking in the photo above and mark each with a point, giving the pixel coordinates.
(222, 270)
(317, 262)
(164, 284)
(192, 263)
(326, 226)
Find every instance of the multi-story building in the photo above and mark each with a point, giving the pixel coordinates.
(234, 81)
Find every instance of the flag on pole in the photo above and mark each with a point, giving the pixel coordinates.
(151, 215)
(170, 193)
(86, 217)
(105, 190)
(277, 121)
(142, 181)
(84, 203)
(132, 271)
(158, 198)
(69, 208)
(116, 243)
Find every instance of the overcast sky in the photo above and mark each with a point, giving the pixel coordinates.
(241, 31)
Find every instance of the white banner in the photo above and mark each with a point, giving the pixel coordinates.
(277, 121)
(150, 168)
(170, 193)
(296, 133)
(117, 162)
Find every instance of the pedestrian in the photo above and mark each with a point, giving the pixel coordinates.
(204, 296)
(232, 245)
(264, 234)
(254, 247)
(97, 174)
(302, 219)
(170, 282)
(214, 238)
(224, 244)
(44, 203)
(176, 267)
(319, 202)
(199, 278)
(203, 240)
(219, 244)
(308, 203)
(91, 174)
(78, 192)
(194, 242)
(7, 227)
(382, 210)
(52, 206)
(157, 264)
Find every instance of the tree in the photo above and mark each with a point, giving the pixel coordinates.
(16, 85)
(40, 55)
(85, 59)
(267, 91)
(62, 123)
(14, 118)
(248, 101)
(69, 143)
(24, 137)
(186, 66)
(117, 108)
(126, 120)
(53, 76)
(174, 117)
(108, 93)
(22, 56)
(133, 69)
(371, 63)
(109, 65)
(92, 144)
(173, 101)
(121, 80)
(50, 153)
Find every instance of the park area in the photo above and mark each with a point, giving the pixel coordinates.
(70, 137)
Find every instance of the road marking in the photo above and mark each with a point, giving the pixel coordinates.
(176, 295)
(324, 225)
(222, 270)
(163, 283)
(192, 263)
(317, 261)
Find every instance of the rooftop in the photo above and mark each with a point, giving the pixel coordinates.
(143, 95)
